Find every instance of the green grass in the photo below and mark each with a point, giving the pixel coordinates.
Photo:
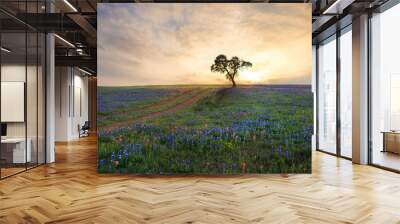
(252, 129)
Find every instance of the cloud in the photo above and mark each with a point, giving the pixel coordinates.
(161, 44)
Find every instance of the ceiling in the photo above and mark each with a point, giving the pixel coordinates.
(75, 22)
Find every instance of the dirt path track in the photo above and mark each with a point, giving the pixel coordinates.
(166, 100)
(186, 103)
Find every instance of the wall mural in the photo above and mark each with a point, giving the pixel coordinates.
(204, 88)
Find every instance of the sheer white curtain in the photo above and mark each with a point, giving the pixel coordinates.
(327, 95)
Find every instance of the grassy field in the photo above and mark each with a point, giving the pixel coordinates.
(205, 129)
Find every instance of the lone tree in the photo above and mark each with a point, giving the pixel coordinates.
(229, 67)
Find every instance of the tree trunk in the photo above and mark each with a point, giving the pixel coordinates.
(233, 79)
(233, 83)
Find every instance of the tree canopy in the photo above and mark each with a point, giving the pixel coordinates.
(230, 67)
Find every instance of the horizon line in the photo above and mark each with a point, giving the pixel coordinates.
(271, 84)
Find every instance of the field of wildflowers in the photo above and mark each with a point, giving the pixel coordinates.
(205, 129)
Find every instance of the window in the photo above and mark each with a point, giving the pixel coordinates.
(385, 88)
(346, 92)
(22, 88)
(327, 95)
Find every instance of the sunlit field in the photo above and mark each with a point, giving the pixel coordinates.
(205, 129)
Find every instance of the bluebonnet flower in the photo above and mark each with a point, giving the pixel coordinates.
(119, 154)
(112, 156)
(126, 152)
(102, 162)
(280, 150)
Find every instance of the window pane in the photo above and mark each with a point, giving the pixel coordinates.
(346, 94)
(31, 98)
(13, 86)
(327, 96)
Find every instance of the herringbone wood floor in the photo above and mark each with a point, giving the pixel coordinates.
(70, 191)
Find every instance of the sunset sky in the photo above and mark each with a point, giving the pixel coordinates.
(168, 44)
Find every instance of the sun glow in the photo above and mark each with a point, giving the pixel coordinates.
(251, 76)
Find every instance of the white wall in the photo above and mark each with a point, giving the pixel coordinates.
(71, 94)
(62, 82)
(33, 127)
(13, 101)
(80, 109)
(14, 73)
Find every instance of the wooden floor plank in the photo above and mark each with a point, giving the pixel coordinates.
(71, 191)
